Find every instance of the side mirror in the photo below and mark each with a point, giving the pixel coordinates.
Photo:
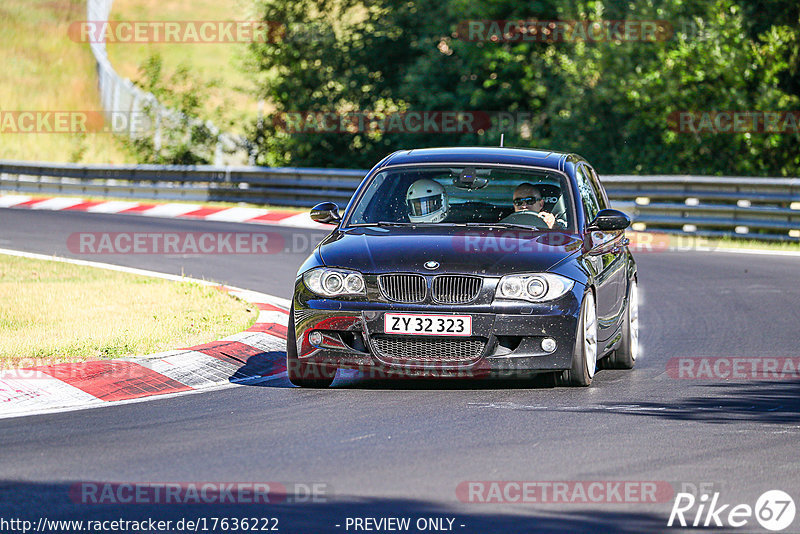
(326, 213)
(609, 221)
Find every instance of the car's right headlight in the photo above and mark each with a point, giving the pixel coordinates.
(534, 287)
(328, 282)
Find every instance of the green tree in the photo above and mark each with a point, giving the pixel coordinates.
(182, 139)
(609, 101)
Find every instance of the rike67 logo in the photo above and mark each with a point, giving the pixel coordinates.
(774, 510)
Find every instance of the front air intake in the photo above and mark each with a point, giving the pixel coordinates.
(456, 289)
(406, 288)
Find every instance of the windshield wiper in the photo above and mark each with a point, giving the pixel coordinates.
(519, 227)
(383, 223)
(504, 225)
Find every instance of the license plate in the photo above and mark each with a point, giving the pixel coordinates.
(427, 325)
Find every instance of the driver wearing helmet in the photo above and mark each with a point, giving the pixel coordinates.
(427, 202)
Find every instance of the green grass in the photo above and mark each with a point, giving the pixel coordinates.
(730, 242)
(231, 104)
(658, 241)
(43, 70)
(60, 312)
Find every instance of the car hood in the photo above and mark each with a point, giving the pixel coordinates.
(492, 252)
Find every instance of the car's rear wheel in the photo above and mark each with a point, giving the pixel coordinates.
(625, 355)
(584, 355)
(300, 373)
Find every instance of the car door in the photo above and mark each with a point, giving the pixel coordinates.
(617, 243)
(603, 257)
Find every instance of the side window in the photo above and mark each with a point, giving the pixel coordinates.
(588, 196)
(599, 190)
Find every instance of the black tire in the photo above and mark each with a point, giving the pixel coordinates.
(301, 374)
(579, 374)
(624, 356)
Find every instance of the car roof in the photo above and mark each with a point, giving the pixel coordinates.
(509, 156)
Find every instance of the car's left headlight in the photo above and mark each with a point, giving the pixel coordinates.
(534, 287)
(329, 282)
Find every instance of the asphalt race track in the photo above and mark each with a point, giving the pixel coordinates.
(400, 449)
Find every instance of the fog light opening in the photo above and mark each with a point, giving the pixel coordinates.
(549, 344)
(315, 338)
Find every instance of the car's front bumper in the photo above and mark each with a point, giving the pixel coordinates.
(511, 334)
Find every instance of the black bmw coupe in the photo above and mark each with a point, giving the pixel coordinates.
(468, 262)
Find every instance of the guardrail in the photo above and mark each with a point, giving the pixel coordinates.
(260, 185)
(757, 208)
(119, 96)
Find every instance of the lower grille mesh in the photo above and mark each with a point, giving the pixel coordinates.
(428, 349)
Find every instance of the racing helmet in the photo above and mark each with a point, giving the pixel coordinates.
(426, 201)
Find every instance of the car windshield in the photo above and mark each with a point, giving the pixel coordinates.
(472, 196)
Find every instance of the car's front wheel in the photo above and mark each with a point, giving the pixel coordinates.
(584, 355)
(300, 373)
(625, 355)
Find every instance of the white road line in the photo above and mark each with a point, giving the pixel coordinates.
(358, 438)
(24, 393)
(107, 266)
(255, 296)
(269, 316)
(259, 379)
(104, 404)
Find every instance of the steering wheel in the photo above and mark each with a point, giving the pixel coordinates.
(560, 215)
(528, 218)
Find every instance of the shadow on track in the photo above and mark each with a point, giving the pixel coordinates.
(31, 501)
(344, 380)
(261, 366)
(268, 369)
(775, 402)
(349, 380)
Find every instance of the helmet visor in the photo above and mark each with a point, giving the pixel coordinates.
(425, 205)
